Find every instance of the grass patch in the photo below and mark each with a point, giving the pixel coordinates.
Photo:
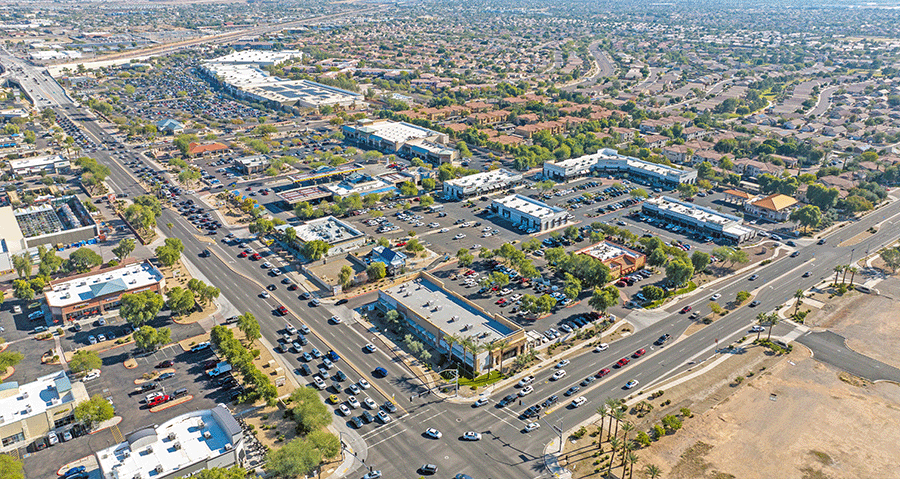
(822, 457)
(481, 381)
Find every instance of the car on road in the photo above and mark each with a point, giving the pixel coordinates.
(335, 320)
(375, 474)
(526, 391)
(601, 347)
(757, 329)
(73, 471)
(631, 384)
(264, 294)
(471, 436)
(602, 372)
(369, 348)
(380, 372)
(580, 400)
(532, 426)
(622, 362)
(587, 381)
(481, 402)
(525, 381)
(640, 352)
(795, 254)
(572, 390)
(662, 340)
(807, 274)
(433, 433)
(510, 398)
(685, 309)
(562, 364)
(715, 296)
(383, 417)
(821, 241)
(754, 304)
(550, 401)
(558, 375)
(754, 277)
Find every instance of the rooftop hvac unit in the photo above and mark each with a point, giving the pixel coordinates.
(177, 446)
(149, 449)
(137, 476)
(171, 436)
(228, 446)
(25, 395)
(28, 408)
(159, 469)
(126, 453)
(207, 435)
(201, 424)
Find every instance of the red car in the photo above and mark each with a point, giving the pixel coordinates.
(292, 287)
(166, 364)
(501, 301)
(620, 284)
(210, 364)
(255, 257)
(402, 243)
(282, 310)
(685, 309)
(602, 372)
(159, 400)
(623, 362)
(243, 254)
(640, 352)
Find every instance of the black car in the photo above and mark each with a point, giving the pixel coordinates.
(550, 401)
(149, 386)
(662, 340)
(357, 422)
(340, 376)
(306, 370)
(367, 417)
(341, 301)
(164, 376)
(179, 392)
(572, 390)
(507, 400)
(533, 411)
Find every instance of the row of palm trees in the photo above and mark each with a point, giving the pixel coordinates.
(624, 447)
(470, 345)
(844, 269)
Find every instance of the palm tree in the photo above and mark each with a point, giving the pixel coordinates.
(798, 295)
(845, 269)
(632, 459)
(450, 340)
(618, 415)
(611, 405)
(626, 450)
(626, 428)
(853, 270)
(602, 411)
(502, 345)
(614, 443)
(653, 472)
(773, 320)
(837, 271)
(761, 318)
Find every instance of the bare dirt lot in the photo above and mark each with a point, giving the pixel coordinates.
(817, 427)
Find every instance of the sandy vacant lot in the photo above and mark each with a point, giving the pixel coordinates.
(817, 426)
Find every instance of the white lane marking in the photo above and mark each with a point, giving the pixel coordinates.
(385, 439)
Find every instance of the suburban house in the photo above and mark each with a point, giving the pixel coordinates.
(775, 207)
(754, 168)
(394, 261)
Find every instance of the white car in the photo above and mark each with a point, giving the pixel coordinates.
(757, 329)
(433, 225)
(364, 384)
(264, 294)
(515, 297)
(444, 230)
(532, 426)
(267, 265)
(526, 391)
(370, 348)
(275, 271)
(580, 400)
(716, 296)
(433, 433)
(471, 436)
(601, 347)
(370, 403)
(558, 375)
(562, 364)
(91, 376)
(481, 402)
(353, 402)
(460, 236)
(344, 410)
(335, 320)
(526, 381)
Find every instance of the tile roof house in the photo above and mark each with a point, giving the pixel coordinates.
(656, 141)
(775, 207)
(200, 149)
(753, 168)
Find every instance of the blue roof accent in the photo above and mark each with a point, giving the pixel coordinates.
(9, 385)
(63, 384)
(109, 287)
(389, 256)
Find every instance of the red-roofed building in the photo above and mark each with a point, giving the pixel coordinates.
(200, 149)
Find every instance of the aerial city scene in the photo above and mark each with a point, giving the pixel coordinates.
(480, 239)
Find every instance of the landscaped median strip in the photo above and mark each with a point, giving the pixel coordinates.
(313, 331)
(174, 402)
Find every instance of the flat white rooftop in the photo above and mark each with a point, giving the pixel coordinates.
(396, 131)
(173, 445)
(36, 161)
(126, 278)
(18, 402)
(605, 251)
(256, 57)
(328, 229)
(696, 212)
(529, 206)
(478, 180)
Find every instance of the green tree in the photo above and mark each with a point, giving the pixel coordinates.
(741, 296)
(83, 360)
(376, 271)
(167, 255)
(149, 338)
(248, 325)
(700, 260)
(327, 443)
(891, 258)
(22, 264)
(428, 184)
(124, 248)
(297, 458)
(139, 308)
(572, 288)
(653, 293)
(11, 468)
(604, 298)
(408, 189)
(314, 250)
(821, 196)
(679, 271)
(687, 190)
(808, 217)
(9, 359)
(261, 226)
(346, 276)
(94, 411)
(180, 300)
(83, 259)
(658, 257)
(309, 411)
(234, 472)
(426, 201)
(22, 290)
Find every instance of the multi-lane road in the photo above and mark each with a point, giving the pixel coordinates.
(505, 450)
